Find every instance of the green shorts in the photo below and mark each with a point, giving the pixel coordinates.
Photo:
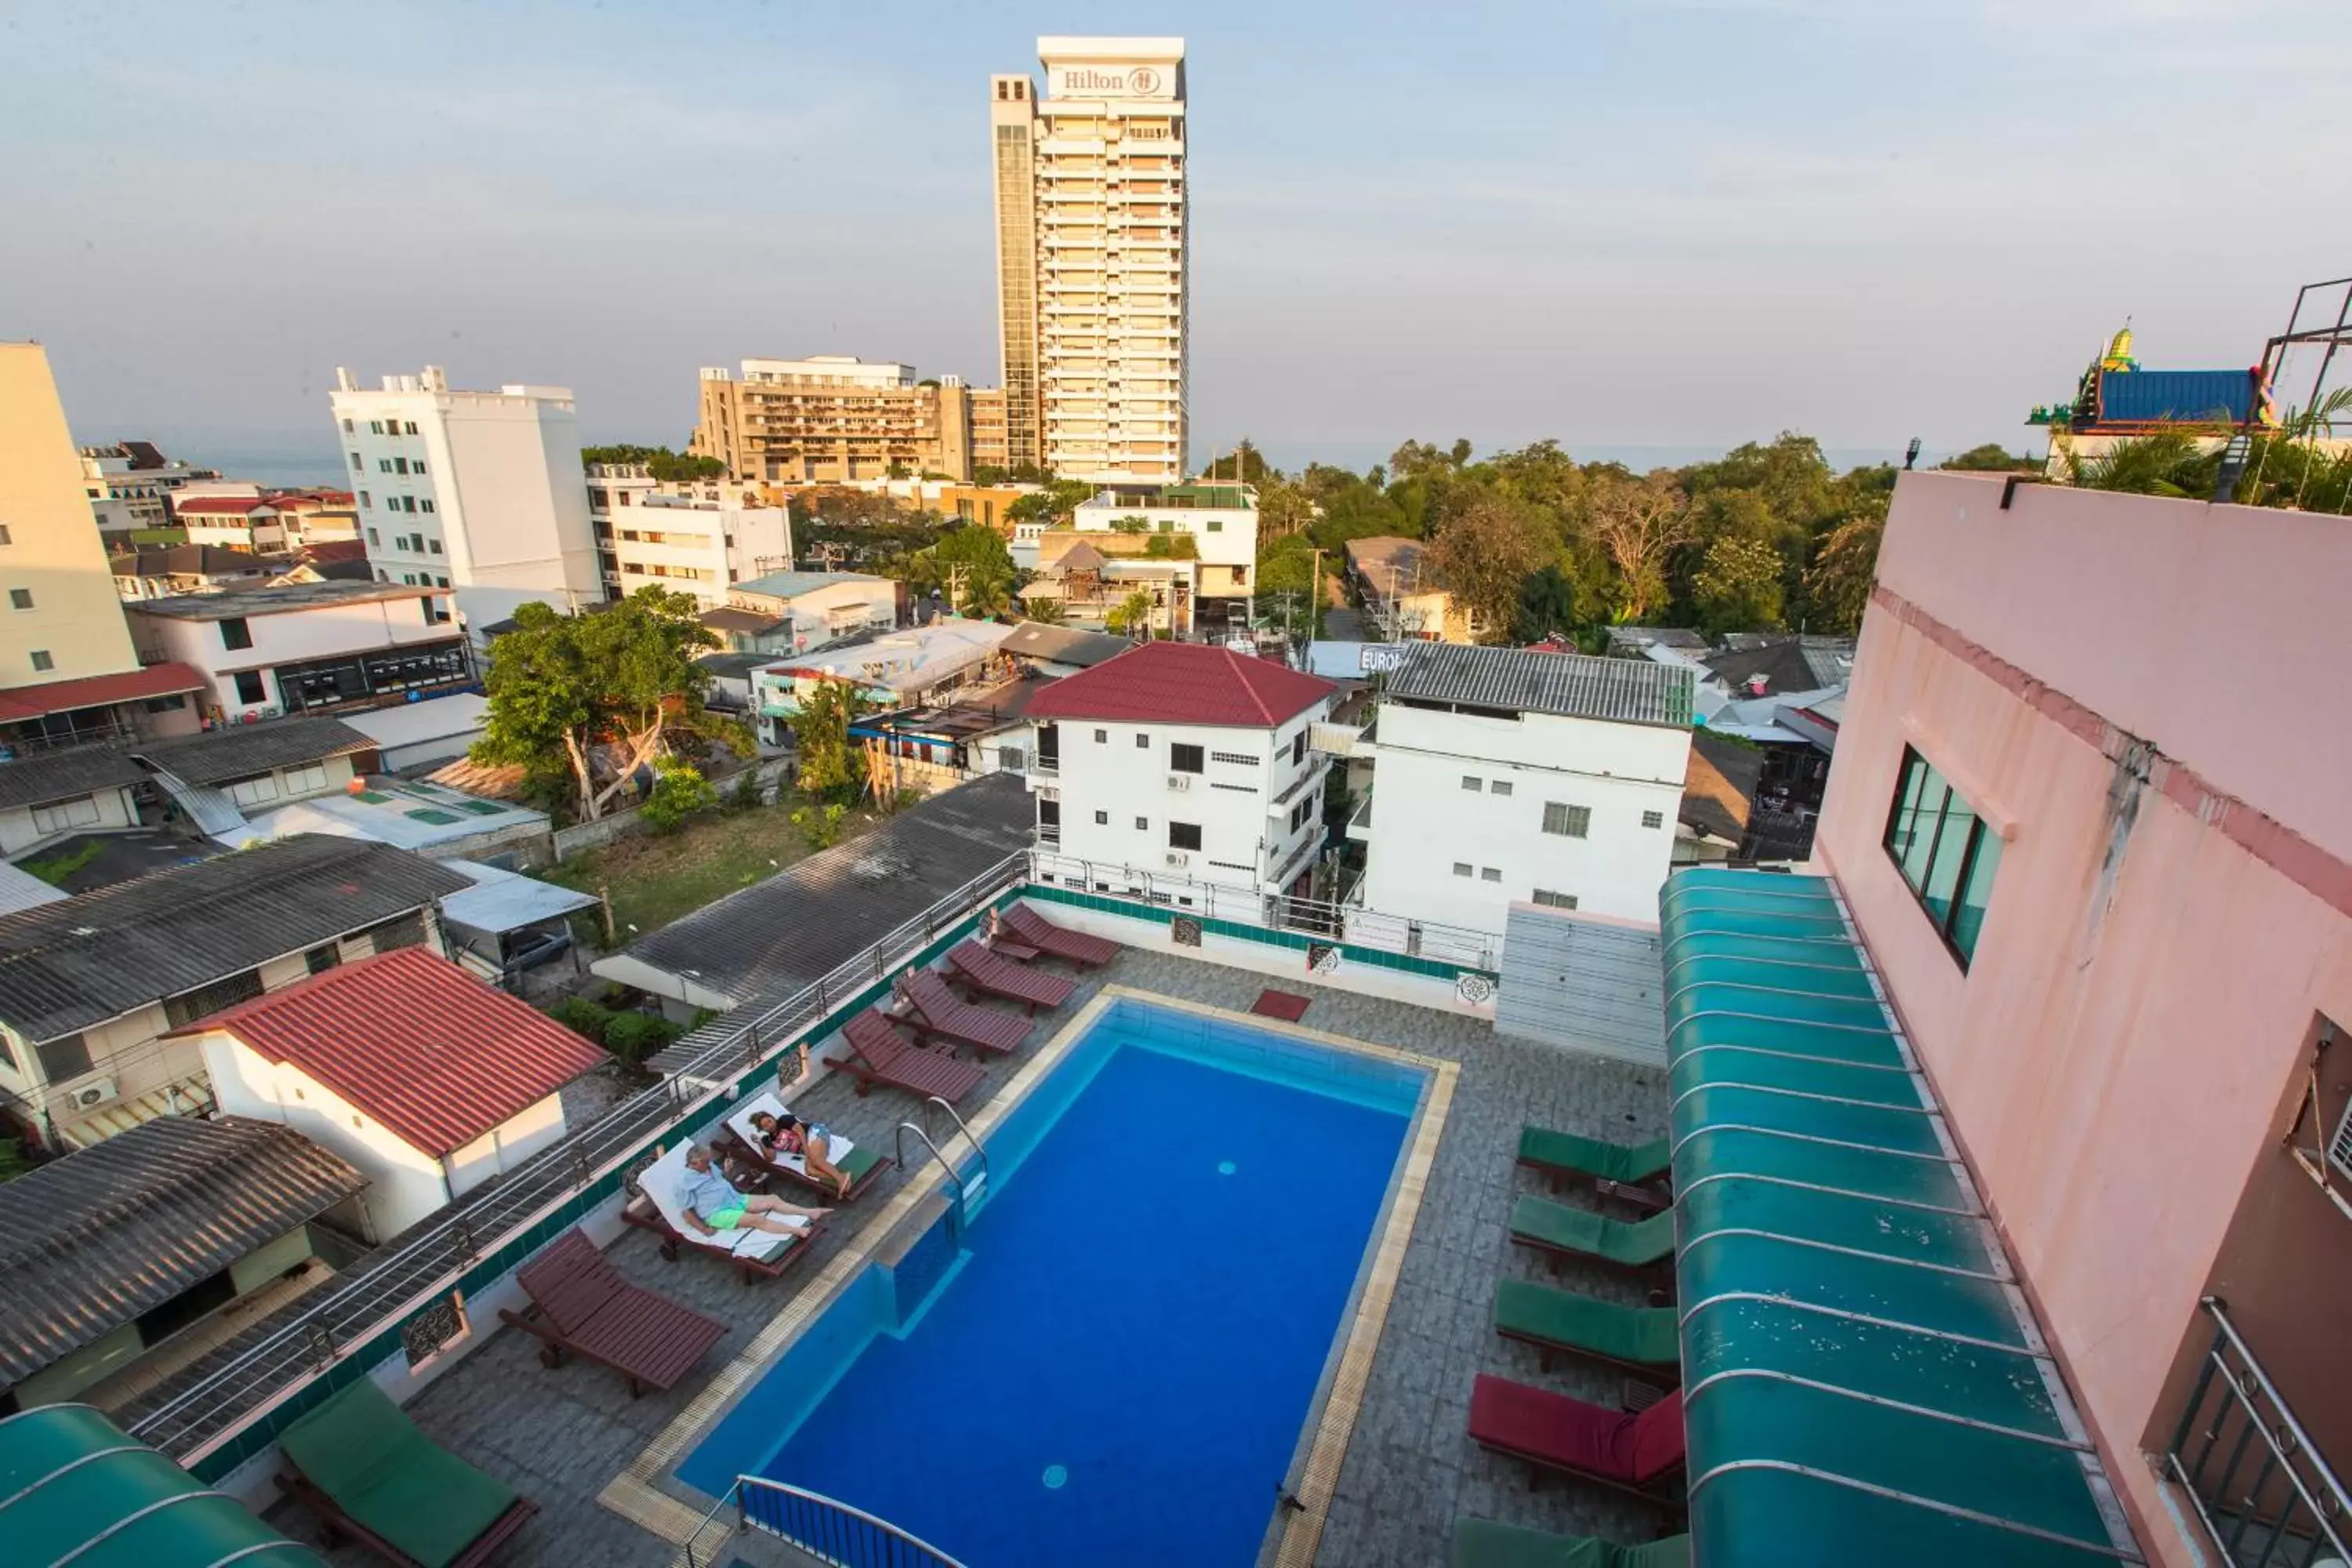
(726, 1218)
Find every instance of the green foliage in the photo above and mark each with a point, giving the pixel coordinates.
(1244, 463)
(660, 462)
(829, 764)
(746, 795)
(974, 556)
(1482, 553)
(990, 474)
(56, 868)
(1045, 612)
(820, 824)
(1172, 547)
(633, 1037)
(1738, 586)
(1838, 582)
(1547, 606)
(1130, 525)
(587, 1019)
(679, 791)
(1992, 457)
(2167, 463)
(1131, 615)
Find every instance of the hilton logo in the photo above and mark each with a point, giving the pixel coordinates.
(1141, 82)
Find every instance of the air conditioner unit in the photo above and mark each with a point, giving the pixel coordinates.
(91, 1095)
(1180, 780)
(1178, 859)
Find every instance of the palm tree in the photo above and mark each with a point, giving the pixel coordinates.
(1131, 615)
(1045, 612)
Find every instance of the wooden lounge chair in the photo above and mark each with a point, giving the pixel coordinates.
(756, 1254)
(363, 1467)
(1057, 942)
(994, 974)
(1640, 1339)
(1482, 1543)
(880, 1054)
(861, 1165)
(1560, 1232)
(935, 1011)
(580, 1303)
(1638, 1452)
(1636, 1172)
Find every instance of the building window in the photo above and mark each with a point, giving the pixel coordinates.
(206, 1000)
(236, 634)
(1216, 525)
(401, 931)
(62, 815)
(1183, 836)
(412, 426)
(373, 539)
(1573, 821)
(1244, 759)
(375, 426)
(1490, 874)
(1462, 868)
(1552, 900)
(310, 776)
(434, 545)
(63, 1058)
(358, 467)
(425, 505)
(20, 598)
(258, 790)
(1102, 819)
(1142, 743)
(1143, 824)
(1102, 737)
(248, 687)
(5, 538)
(1298, 747)
(384, 464)
(1946, 853)
(408, 503)
(1470, 784)
(417, 467)
(322, 958)
(347, 427)
(1183, 759)
(42, 661)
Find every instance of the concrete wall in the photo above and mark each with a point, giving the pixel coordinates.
(507, 1145)
(2173, 909)
(24, 826)
(53, 552)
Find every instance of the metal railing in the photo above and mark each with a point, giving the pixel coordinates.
(426, 1265)
(826, 1528)
(2289, 1509)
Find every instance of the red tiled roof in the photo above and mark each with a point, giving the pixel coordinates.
(237, 506)
(1183, 683)
(414, 1041)
(21, 702)
(335, 550)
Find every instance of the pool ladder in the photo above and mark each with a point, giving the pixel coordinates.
(968, 1193)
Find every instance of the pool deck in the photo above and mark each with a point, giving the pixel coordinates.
(559, 1437)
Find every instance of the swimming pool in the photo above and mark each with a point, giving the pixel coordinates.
(1114, 1358)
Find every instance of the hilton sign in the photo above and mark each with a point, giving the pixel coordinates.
(1112, 81)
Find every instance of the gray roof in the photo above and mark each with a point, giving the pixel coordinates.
(1515, 680)
(278, 599)
(793, 585)
(89, 1242)
(1788, 664)
(784, 933)
(1063, 645)
(217, 756)
(67, 965)
(1635, 638)
(61, 775)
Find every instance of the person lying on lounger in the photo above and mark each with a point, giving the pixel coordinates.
(811, 1140)
(711, 1203)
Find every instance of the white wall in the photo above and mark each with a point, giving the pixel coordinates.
(1425, 822)
(296, 637)
(22, 826)
(1225, 537)
(507, 1145)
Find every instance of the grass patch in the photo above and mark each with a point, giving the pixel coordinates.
(58, 868)
(654, 879)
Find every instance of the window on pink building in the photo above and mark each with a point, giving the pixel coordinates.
(1946, 852)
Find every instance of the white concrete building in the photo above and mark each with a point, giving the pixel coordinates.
(1220, 521)
(1184, 762)
(792, 612)
(1093, 258)
(690, 536)
(130, 485)
(478, 491)
(427, 1080)
(232, 522)
(1502, 775)
(900, 668)
(306, 647)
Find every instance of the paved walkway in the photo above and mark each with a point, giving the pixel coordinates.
(560, 1435)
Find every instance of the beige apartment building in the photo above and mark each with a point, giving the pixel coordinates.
(690, 536)
(1093, 258)
(835, 419)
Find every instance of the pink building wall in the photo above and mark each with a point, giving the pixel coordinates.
(2119, 1057)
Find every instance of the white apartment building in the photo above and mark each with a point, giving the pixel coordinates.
(1220, 521)
(1503, 775)
(231, 523)
(130, 485)
(1094, 280)
(480, 492)
(691, 536)
(1180, 761)
(306, 647)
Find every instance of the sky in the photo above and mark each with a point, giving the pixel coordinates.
(1644, 227)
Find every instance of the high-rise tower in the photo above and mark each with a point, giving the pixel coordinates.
(1093, 266)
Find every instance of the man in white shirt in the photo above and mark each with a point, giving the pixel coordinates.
(711, 1204)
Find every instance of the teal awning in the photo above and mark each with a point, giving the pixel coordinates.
(1863, 1383)
(76, 1489)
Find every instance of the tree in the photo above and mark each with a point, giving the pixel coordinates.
(990, 474)
(1992, 457)
(829, 764)
(1132, 616)
(1045, 610)
(1244, 464)
(1635, 522)
(1838, 582)
(596, 697)
(970, 562)
(2168, 463)
(1482, 553)
(679, 791)
(1738, 586)
(660, 462)
(1547, 606)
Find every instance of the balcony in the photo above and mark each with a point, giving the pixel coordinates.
(1340, 740)
(1359, 822)
(2263, 1497)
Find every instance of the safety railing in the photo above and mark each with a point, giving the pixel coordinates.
(826, 1529)
(408, 1277)
(2264, 1495)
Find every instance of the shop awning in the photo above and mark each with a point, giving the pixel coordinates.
(1863, 1383)
(74, 1486)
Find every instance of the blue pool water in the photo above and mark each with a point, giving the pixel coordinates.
(1114, 1361)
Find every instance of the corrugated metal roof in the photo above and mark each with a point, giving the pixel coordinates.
(89, 1242)
(793, 585)
(1064, 645)
(216, 756)
(23, 890)
(65, 966)
(1625, 691)
(414, 1041)
(507, 900)
(61, 775)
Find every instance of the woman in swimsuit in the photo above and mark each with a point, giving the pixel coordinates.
(788, 1134)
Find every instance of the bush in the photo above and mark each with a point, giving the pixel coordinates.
(822, 825)
(633, 1037)
(746, 793)
(678, 794)
(587, 1019)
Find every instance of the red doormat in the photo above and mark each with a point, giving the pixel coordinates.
(1286, 1006)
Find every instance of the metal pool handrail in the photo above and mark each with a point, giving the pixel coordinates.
(826, 1528)
(978, 1147)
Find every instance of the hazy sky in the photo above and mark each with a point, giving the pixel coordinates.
(1636, 223)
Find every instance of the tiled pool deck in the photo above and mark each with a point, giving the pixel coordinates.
(559, 1437)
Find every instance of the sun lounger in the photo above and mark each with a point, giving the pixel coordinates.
(878, 1053)
(1057, 942)
(1637, 1452)
(581, 1304)
(1640, 1339)
(860, 1165)
(1636, 1171)
(994, 974)
(364, 1467)
(935, 1009)
(1482, 1543)
(763, 1253)
(1560, 1232)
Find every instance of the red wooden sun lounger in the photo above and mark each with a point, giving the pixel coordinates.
(939, 1011)
(880, 1054)
(1058, 941)
(994, 974)
(580, 1303)
(1636, 1452)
